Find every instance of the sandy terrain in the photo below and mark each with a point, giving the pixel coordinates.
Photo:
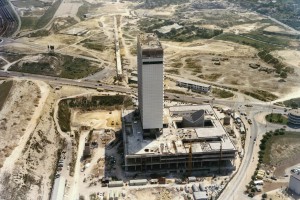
(68, 8)
(244, 28)
(97, 119)
(15, 117)
(291, 57)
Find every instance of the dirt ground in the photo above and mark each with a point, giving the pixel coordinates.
(154, 194)
(97, 119)
(16, 115)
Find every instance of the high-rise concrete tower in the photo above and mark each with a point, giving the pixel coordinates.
(150, 80)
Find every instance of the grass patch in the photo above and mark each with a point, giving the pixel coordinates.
(193, 65)
(64, 116)
(82, 10)
(212, 77)
(5, 89)
(248, 40)
(95, 46)
(28, 22)
(175, 91)
(39, 33)
(172, 71)
(277, 118)
(222, 93)
(279, 138)
(59, 65)
(292, 103)
(261, 95)
(48, 15)
(75, 68)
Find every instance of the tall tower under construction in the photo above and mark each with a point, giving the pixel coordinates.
(150, 81)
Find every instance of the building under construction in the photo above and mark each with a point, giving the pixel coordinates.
(192, 139)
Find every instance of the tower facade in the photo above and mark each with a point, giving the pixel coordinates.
(150, 81)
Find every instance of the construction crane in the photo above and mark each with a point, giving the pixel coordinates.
(190, 160)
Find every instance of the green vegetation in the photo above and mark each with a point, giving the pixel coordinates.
(39, 33)
(193, 65)
(261, 95)
(87, 104)
(75, 68)
(281, 69)
(222, 93)
(64, 116)
(54, 64)
(278, 138)
(185, 34)
(4, 88)
(292, 103)
(212, 77)
(94, 45)
(175, 91)
(172, 71)
(277, 118)
(82, 10)
(261, 43)
(149, 4)
(28, 22)
(284, 11)
(48, 15)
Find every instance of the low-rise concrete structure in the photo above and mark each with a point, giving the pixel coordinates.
(194, 86)
(58, 189)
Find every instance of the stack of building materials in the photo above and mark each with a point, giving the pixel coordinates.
(260, 174)
(192, 179)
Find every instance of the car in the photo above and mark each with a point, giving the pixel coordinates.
(274, 178)
(57, 175)
(249, 121)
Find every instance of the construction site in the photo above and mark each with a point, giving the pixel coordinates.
(193, 140)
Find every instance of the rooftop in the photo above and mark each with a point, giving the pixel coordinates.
(295, 112)
(177, 140)
(192, 82)
(149, 41)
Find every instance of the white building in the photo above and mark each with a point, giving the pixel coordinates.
(294, 184)
(58, 189)
(150, 81)
(194, 86)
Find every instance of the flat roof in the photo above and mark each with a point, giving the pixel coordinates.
(192, 82)
(295, 112)
(149, 41)
(58, 189)
(200, 195)
(177, 140)
(296, 176)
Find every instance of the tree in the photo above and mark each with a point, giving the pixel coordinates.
(264, 195)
